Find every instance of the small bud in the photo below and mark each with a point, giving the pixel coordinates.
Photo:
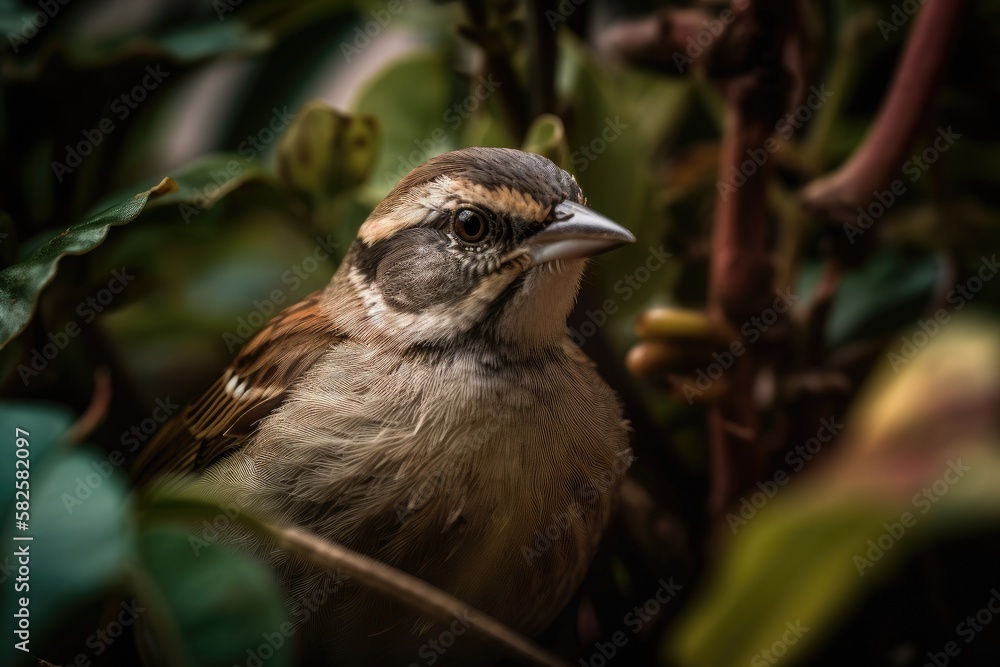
(325, 152)
(677, 323)
(547, 137)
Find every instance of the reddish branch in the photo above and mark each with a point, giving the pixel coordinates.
(749, 50)
(742, 272)
(672, 41)
(876, 163)
(756, 60)
(654, 41)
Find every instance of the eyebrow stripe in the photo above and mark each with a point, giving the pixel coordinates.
(446, 193)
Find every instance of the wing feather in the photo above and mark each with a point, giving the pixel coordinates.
(254, 385)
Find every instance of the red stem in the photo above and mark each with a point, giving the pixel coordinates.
(741, 280)
(875, 164)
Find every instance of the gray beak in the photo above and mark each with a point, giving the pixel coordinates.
(577, 232)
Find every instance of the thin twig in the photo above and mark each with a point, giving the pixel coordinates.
(178, 496)
(409, 590)
(96, 411)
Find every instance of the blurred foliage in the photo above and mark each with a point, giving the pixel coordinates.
(282, 125)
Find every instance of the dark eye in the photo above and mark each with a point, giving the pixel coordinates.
(470, 225)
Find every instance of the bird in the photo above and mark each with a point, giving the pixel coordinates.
(427, 409)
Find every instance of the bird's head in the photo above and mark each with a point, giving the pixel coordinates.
(487, 242)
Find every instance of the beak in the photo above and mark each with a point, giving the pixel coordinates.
(577, 232)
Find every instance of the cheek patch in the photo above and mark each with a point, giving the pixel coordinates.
(414, 277)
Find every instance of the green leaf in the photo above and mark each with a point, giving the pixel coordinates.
(13, 15)
(189, 44)
(81, 537)
(796, 556)
(45, 424)
(413, 100)
(810, 557)
(206, 181)
(547, 137)
(880, 297)
(21, 284)
(917, 466)
(217, 603)
(213, 39)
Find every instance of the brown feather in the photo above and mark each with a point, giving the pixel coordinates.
(222, 420)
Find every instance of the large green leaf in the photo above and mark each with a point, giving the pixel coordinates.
(811, 557)
(920, 464)
(202, 184)
(21, 284)
(81, 538)
(44, 423)
(208, 180)
(185, 45)
(210, 606)
(792, 563)
(413, 99)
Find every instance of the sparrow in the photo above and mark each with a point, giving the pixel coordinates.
(428, 409)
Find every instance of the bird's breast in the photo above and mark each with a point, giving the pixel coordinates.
(488, 480)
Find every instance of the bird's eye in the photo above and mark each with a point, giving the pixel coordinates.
(470, 225)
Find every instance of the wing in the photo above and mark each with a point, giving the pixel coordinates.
(254, 384)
